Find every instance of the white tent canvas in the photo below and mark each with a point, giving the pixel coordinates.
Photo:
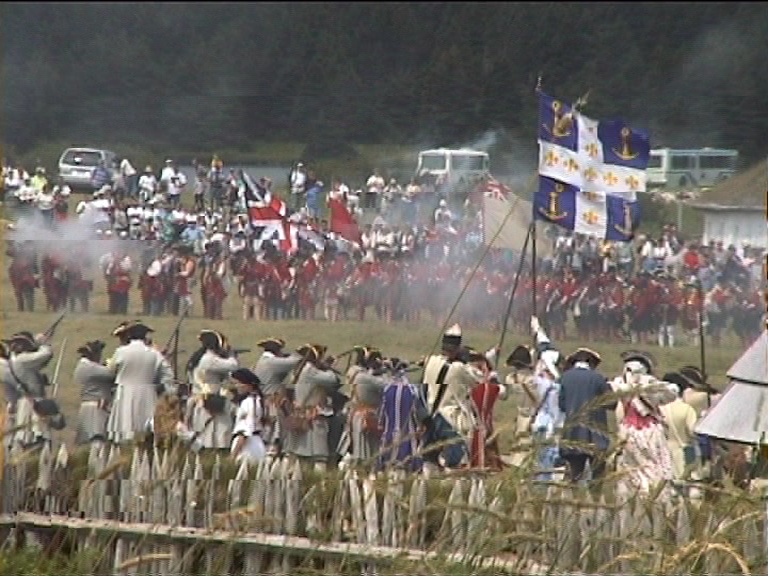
(741, 415)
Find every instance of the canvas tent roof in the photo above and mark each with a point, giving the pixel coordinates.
(741, 415)
(747, 189)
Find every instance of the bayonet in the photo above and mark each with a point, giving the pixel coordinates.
(58, 366)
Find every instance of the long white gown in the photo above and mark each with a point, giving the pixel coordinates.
(248, 423)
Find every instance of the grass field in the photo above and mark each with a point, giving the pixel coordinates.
(409, 341)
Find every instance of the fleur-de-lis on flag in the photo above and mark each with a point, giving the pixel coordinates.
(591, 217)
(552, 158)
(590, 174)
(610, 179)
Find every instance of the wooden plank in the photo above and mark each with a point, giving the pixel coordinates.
(295, 545)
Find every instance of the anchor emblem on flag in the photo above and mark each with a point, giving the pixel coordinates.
(553, 213)
(626, 149)
(562, 123)
(626, 230)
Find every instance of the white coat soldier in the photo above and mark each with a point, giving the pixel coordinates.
(366, 390)
(96, 383)
(209, 410)
(307, 423)
(448, 383)
(28, 357)
(141, 374)
(247, 439)
(10, 392)
(521, 386)
(272, 368)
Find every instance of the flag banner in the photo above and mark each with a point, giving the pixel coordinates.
(506, 218)
(342, 223)
(268, 224)
(608, 216)
(590, 171)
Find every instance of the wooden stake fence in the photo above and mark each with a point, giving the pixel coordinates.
(167, 512)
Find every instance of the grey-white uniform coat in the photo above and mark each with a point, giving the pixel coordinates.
(208, 377)
(26, 368)
(272, 372)
(311, 393)
(96, 383)
(139, 371)
(367, 390)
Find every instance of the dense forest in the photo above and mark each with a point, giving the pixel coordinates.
(218, 74)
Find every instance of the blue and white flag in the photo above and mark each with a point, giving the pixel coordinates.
(589, 172)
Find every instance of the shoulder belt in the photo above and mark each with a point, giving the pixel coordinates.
(441, 387)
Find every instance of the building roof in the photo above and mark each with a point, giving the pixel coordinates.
(741, 415)
(746, 190)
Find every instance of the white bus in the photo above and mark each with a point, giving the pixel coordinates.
(453, 165)
(682, 169)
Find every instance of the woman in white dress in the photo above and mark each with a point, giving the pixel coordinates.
(247, 442)
(645, 458)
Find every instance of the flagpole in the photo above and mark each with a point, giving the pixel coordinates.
(533, 264)
(702, 345)
(504, 325)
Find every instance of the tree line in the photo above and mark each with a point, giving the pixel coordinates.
(213, 75)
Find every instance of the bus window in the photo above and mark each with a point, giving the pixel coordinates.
(466, 163)
(680, 163)
(433, 162)
(654, 161)
(717, 162)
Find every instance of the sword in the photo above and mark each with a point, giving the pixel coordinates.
(58, 368)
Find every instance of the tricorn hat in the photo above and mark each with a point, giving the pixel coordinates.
(91, 348)
(520, 357)
(271, 343)
(645, 358)
(452, 337)
(212, 339)
(24, 338)
(137, 330)
(677, 379)
(312, 352)
(121, 328)
(585, 355)
(246, 377)
(697, 378)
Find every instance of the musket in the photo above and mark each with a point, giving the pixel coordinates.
(175, 333)
(58, 367)
(52, 328)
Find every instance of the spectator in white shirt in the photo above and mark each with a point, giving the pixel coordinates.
(374, 189)
(443, 212)
(129, 177)
(147, 185)
(298, 179)
(45, 203)
(176, 185)
(168, 172)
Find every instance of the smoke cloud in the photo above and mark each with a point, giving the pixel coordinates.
(69, 239)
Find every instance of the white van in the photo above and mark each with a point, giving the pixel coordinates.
(453, 165)
(76, 166)
(683, 169)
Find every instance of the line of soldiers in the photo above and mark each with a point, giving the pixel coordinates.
(333, 285)
(300, 405)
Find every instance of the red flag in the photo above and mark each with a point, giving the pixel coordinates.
(342, 222)
(269, 223)
(489, 187)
